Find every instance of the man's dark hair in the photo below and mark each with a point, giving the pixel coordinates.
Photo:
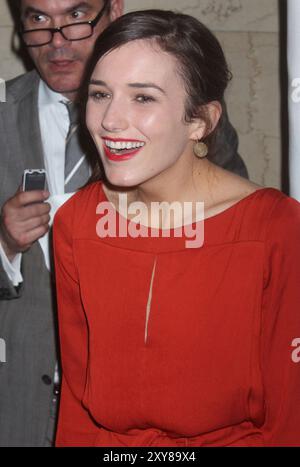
(16, 4)
(15, 9)
(202, 64)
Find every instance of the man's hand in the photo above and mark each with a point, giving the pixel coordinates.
(24, 219)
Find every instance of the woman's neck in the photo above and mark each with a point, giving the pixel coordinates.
(175, 185)
(192, 186)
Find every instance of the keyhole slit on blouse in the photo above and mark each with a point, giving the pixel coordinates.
(148, 307)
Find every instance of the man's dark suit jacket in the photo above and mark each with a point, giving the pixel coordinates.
(27, 314)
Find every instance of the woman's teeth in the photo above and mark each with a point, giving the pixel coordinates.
(116, 146)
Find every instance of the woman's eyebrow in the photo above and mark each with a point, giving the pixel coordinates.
(146, 85)
(98, 82)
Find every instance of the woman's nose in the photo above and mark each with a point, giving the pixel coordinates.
(115, 118)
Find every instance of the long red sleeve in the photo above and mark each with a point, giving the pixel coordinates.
(281, 326)
(75, 426)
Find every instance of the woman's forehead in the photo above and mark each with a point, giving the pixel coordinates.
(146, 51)
(138, 59)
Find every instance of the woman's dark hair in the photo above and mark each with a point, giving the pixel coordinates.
(201, 61)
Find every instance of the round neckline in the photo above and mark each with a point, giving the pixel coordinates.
(212, 218)
(235, 205)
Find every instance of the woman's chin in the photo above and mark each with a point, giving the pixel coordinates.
(122, 181)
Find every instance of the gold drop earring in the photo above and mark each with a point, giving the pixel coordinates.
(200, 149)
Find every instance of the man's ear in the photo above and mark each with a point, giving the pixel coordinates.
(116, 9)
(201, 128)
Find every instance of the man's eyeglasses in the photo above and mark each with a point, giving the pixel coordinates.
(71, 32)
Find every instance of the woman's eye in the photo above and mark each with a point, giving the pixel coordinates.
(98, 96)
(144, 99)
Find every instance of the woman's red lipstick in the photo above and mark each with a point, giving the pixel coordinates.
(120, 157)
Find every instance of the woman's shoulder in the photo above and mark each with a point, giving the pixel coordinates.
(283, 215)
(231, 191)
(271, 215)
(234, 189)
(269, 205)
(257, 212)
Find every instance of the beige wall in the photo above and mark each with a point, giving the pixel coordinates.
(248, 31)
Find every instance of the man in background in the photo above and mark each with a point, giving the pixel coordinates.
(39, 130)
(34, 134)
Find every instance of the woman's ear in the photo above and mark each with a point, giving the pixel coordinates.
(200, 128)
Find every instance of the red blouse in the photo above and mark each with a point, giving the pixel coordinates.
(164, 345)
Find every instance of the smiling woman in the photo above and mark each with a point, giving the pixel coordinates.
(129, 110)
(193, 91)
(162, 344)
